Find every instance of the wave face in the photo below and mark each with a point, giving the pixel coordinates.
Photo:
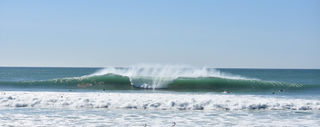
(160, 76)
(168, 77)
(157, 101)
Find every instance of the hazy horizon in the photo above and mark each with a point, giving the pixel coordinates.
(219, 34)
(151, 65)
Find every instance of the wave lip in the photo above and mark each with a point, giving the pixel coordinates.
(154, 101)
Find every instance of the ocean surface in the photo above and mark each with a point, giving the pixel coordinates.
(159, 95)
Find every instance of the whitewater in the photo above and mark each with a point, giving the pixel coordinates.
(155, 101)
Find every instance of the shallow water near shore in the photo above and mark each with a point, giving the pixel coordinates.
(139, 118)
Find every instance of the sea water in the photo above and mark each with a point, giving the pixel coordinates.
(156, 95)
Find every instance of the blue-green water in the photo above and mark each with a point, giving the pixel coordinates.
(302, 81)
(159, 96)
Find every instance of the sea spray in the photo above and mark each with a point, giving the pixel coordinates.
(160, 76)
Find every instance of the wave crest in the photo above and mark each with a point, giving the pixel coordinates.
(160, 76)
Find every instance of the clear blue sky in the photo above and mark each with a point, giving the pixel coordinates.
(224, 33)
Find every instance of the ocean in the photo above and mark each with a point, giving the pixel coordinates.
(159, 95)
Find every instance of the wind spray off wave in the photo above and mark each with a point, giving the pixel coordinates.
(160, 76)
(165, 77)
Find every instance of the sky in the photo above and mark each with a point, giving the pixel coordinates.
(214, 33)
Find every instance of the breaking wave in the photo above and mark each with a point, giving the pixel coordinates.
(168, 77)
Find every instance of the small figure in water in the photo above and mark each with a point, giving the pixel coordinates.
(226, 92)
(174, 124)
(281, 90)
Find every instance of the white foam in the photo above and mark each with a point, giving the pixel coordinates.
(161, 75)
(65, 117)
(153, 101)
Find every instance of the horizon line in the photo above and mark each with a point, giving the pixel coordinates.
(129, 66)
